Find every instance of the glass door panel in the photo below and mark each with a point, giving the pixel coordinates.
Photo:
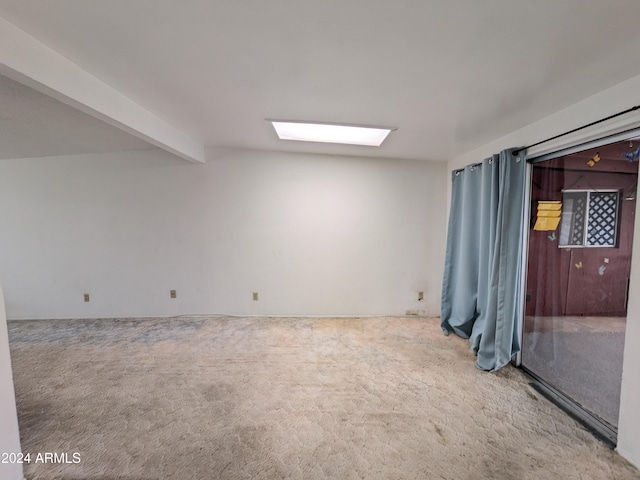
(582, 216)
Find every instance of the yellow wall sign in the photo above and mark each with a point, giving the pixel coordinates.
(548, 216)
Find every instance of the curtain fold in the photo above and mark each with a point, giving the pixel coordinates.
(482, 275)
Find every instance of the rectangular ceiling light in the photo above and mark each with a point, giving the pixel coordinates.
(327, 133)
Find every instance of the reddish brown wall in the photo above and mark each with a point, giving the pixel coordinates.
(555, 284)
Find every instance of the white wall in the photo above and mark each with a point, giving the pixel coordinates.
(9, 436)
(629, 423)
(314, 235)
(603, 104)
(618, 98)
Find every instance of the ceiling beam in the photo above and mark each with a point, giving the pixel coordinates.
(30, 62)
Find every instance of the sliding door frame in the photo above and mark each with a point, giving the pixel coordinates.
(526, 212)
(601, 430)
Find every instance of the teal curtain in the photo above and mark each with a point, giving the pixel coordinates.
(482, 275)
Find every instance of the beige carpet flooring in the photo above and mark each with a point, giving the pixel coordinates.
(271, 398)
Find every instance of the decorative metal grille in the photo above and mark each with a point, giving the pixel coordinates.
(577, 226)
(589, 218)
(603, 214)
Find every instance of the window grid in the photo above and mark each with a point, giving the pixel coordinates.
(594, 218)
(603, 219)
(580, 209)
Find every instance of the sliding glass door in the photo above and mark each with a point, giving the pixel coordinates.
(580, 239)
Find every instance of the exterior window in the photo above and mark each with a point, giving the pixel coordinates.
(589, 218)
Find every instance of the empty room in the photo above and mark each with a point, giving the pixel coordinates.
(308, 240)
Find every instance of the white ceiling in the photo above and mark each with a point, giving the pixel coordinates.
(450, 74)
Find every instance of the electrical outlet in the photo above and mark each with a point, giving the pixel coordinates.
(172, 293)
(420, 296)
(255, 296)
(86, 297)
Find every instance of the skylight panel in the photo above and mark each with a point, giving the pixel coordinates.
(331, 133)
